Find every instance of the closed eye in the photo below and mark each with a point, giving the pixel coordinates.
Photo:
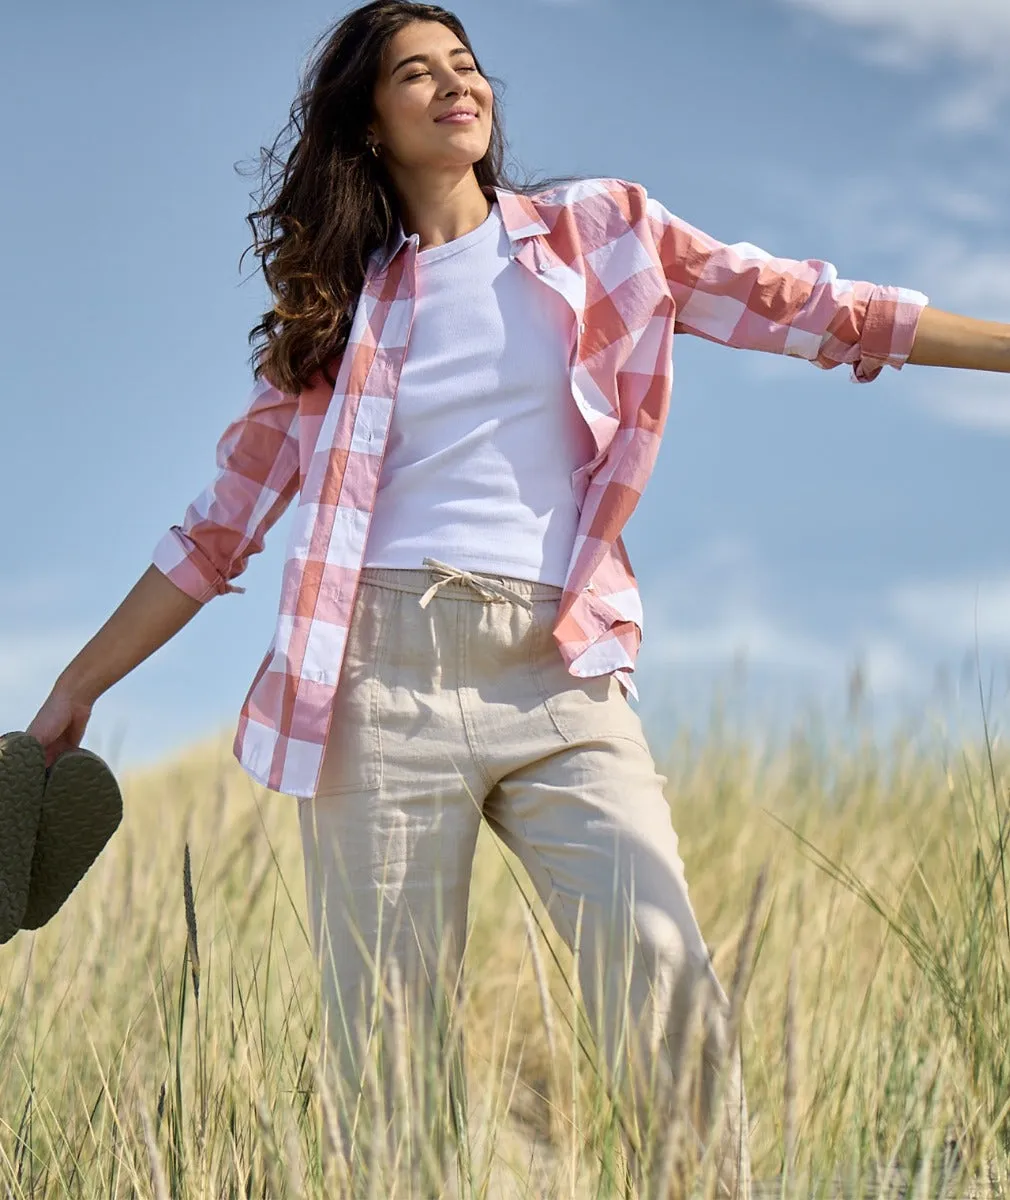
(421, 74)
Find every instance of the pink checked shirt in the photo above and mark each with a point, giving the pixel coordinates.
(634, 275)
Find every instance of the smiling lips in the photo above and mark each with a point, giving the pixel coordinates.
(458, 116)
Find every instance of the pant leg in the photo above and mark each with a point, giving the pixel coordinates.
(583, 808)
(388, 840)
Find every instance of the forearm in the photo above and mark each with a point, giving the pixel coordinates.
(944, 339)
(152, 613)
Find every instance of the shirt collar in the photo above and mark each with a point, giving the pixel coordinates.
(520, 216)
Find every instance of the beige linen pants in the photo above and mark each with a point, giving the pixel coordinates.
(454, 706)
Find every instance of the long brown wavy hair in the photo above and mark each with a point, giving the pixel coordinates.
(327, 204)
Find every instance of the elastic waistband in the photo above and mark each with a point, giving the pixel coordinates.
(419, 581)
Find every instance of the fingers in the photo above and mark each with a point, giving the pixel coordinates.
(58, 726)
(38, 730)
(53, 752)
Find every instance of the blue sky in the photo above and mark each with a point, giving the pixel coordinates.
(796, 522)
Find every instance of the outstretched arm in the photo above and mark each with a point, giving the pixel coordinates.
(741, 296)
(944, 339)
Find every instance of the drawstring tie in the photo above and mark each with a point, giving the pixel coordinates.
(485, 587)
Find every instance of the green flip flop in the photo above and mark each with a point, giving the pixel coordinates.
(81, 809)
(22, 783)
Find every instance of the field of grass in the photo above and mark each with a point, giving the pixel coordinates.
(144, 1053)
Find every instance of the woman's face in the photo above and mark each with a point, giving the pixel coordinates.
(426, 72)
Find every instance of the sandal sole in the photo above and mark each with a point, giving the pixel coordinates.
(22, 783)
(81, 809)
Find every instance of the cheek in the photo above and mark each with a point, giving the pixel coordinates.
(406, 116)
(483, 89)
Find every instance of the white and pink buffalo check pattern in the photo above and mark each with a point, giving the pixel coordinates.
(634, 275)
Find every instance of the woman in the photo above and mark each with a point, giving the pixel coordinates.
(464, 383)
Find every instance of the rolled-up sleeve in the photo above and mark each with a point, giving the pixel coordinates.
(257, 459)
(741, 296)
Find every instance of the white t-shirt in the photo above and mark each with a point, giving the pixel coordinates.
(485, 433)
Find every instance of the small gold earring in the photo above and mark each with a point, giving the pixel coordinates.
(374, 147)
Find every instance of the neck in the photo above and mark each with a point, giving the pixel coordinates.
(440, 208)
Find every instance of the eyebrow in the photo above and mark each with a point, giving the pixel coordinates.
(423, 58)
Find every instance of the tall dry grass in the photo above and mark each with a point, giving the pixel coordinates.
(159, 1036)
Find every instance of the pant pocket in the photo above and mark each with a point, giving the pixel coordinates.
(352, 756)
(580, 709)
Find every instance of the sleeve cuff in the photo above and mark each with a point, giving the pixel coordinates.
(178, 556)
(892, 317)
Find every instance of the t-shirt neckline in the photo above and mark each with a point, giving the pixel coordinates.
(490, 225)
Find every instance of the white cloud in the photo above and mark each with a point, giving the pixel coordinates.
(951, 612)
(973, 107)
(976, 400)
(907, 34)
(29, 657)
(889, 668)
(717, 618)
(743, 633)
(976, 30)
(968, 278)
(752, 637)
(950, 199)
(716, 614)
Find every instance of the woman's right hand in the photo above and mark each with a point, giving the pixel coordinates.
(60, 723)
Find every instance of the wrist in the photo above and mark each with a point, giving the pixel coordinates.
(75, 684)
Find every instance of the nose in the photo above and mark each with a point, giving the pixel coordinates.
(456, 85)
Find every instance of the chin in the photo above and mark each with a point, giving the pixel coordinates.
(463, 158)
